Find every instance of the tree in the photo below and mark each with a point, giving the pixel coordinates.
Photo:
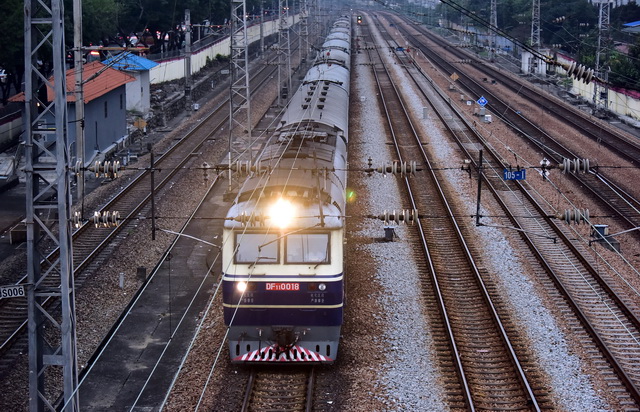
(99, 19)
(11, 50)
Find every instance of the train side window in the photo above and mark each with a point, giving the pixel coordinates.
(256, 248)
(307, 248)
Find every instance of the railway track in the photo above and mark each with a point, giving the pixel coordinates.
(611, 194)
(91, 244)
(482, 360)
(280, 390)
(600, 314)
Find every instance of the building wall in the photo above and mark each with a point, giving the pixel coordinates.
(530, 64)
(100, 132)
(138, 93)
(174, 69)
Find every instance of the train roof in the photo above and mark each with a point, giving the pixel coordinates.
(322, 99)
(308, 216)
(337, 44)
(334, 56)
(339, 35)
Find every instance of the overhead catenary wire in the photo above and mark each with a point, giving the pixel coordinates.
(626, 281)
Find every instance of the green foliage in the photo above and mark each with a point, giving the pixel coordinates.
(624, 72)
(99, 18)
(12, 34)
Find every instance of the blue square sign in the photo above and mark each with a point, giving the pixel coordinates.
(482, 101)
(508, 174)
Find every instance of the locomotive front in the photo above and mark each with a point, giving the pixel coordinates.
(283, 280)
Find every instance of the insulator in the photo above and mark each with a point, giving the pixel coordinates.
(385, 168)
(246, 167)
(255, 219)
(588, 76)
(575, 166)
(111, 219)
(111, 169)
(409, 168)
(96, 218)
(412, 216)
(405, 216)
(95, 168)
(585, 166)
(76, 218)
(77, 168)
(108, 169)
(388, 168)
(243, 218)
(574, 215)
(398, 168)
(106, 219)
(580, 72)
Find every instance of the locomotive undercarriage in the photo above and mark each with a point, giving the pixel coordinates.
(284, 344)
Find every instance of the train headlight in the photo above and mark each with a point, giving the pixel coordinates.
(282, 213)
(322, 287)
(241, 286)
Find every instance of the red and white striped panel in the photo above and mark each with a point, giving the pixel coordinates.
(295, 354)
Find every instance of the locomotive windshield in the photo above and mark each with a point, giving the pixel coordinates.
(307, 248)
(256, 248)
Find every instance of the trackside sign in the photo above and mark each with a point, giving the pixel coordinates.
(11, 291)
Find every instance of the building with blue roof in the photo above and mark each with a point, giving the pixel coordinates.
(633, 27)
(138, 92)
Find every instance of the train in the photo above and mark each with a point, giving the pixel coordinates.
(282, 254)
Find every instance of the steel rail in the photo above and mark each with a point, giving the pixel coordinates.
(486, 297)
(582, 317)
(609, 193)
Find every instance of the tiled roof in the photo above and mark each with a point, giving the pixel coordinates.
(131, 62)
(108, 80)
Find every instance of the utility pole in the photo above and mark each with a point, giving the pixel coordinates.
(262, 29)
(240, 94)
(284, 52)
(494, 24)
(51, 329)
(79, 97)
(535, 32)
(601, 91)
(187, 61)
(304, 30)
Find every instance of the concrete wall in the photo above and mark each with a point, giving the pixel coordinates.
(531, 64)
(10, 130)
(621, 103)
(174, 69)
